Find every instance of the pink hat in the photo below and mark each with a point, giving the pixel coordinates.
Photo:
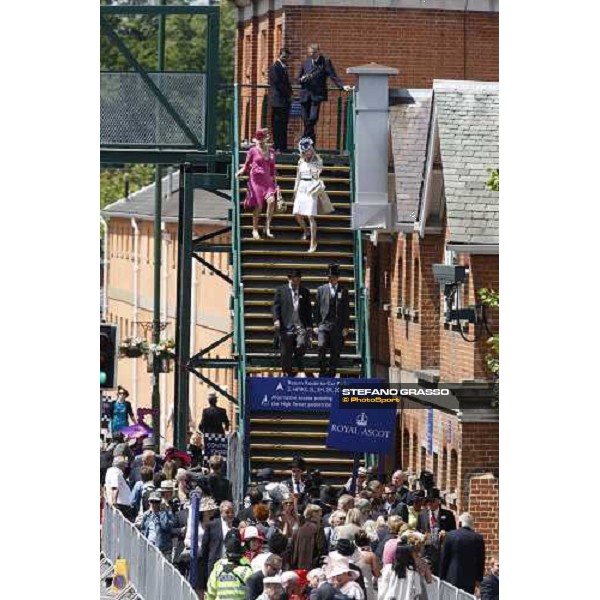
(260, 135)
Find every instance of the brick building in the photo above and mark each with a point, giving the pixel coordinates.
(444, 141)
(129, 254)
(443, 39)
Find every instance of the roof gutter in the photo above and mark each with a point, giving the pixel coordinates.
(474, 248)
(201, 221)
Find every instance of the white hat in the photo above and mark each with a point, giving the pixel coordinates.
(275, 579)
(340, 567)
(251, 533)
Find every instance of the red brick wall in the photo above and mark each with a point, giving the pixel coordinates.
(484, 504)
(423, 44)
(464, 451)
(461, 360)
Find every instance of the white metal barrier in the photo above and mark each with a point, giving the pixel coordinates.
(442, 590)
(152, 576)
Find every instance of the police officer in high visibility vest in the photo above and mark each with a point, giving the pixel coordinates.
(228, 578)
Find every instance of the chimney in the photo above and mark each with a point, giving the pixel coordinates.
(371, 208)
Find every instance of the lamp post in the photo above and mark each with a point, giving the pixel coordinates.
(157, 248)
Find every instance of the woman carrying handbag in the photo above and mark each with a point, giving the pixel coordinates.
(260, 166)
(310, 198)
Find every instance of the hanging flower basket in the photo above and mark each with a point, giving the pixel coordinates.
(133, 348)
(164, 353)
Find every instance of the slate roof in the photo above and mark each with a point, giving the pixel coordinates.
(409, 126)
(207, 205)
(467, 117)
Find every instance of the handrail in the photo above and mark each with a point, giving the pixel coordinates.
(240, 341)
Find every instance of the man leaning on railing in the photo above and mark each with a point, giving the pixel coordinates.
(156, 524)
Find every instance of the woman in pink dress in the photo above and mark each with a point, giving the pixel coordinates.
(260, 165)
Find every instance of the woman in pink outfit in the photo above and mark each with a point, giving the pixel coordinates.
(260, 165)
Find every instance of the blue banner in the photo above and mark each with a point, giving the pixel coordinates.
(289, 394)
(362, 430)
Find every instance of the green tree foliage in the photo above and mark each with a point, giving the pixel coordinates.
(493, 182)
(185, 50)
(491, 299)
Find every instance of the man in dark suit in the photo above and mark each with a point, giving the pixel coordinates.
(434, 520)
(212, 548)
(332, 316)
(463, 556)
(292, 318)
(214, 419)
(490, 586)
(220, 487)
(254, 585)
(280, 95)
(313, 81)
(296, 483)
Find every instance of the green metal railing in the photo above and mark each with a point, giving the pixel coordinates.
(238, 288)
(362, 306)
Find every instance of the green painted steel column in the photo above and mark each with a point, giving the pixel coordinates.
(212, 82)
(157, 251)
(182, 407)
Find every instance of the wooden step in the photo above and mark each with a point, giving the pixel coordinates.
(296, 242)
(283, 474)
(269, 304)
(307, 370)
(289, 216)
(291, 191)
(292, 179)
(282, 419)
(296, 229)
(308, 459)
(294, 166)
(288, 446)
(270, 316)
(284, 278)
(317, 254)
(289, 434)
(287, 265)
(271, 291)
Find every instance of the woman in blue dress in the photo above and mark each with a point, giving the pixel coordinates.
(120, 411)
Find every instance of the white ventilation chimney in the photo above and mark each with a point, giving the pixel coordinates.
(372, 208)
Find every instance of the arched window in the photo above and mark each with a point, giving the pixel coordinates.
(442, 483)
(453, 468)
(415, 453)
(405, 449)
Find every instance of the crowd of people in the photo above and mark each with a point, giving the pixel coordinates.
(298, 539)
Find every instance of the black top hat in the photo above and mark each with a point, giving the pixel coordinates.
(334, 270)
(345, 547)
(328, 495)
(298, 463)
(433, 494)
(264, 474)
(294, 273)
(415, 497)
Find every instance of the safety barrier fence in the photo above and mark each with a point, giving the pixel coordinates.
(152, 576)
(442, 590)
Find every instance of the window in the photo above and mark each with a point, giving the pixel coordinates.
(415, 285)
(435, 468)
(453, 468)
(443, 484)
(415, 453)
(405, 449)
(423, 464)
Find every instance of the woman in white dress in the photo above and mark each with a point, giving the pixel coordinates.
(310, 197)
(403, 582)
(367, 563)
(344, 579)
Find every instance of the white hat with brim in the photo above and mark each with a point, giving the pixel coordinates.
(340, 568)
(275, 580)
(207, 503)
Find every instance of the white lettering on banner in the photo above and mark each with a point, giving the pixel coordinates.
(394, 392)
(381, 433)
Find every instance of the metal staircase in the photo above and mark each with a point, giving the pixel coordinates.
(260, 266)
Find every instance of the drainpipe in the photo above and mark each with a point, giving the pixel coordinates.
(136, 267)
(105, 269)
(164, 413)
(192, 401)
